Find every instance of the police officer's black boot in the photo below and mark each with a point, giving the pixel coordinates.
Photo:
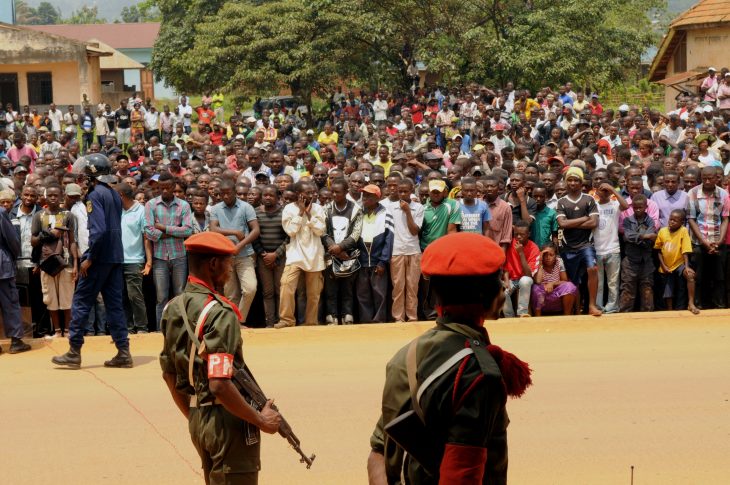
(122, 359)
(17, 346)
(71, 359)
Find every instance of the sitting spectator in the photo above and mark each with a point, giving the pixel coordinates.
(523, 257)
(552, 291)
(637, 267)
(675, 248)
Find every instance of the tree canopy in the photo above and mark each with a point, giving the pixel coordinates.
(43, 14)
(259, 46)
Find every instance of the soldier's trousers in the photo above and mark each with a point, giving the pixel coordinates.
(221, 441)
(637, 276)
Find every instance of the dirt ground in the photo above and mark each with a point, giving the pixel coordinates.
(650, 391)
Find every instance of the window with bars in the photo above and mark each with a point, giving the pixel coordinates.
(40, 88)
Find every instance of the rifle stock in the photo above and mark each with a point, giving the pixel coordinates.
(246, 384)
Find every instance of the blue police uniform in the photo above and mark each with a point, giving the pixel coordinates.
(9, 252)
(105, 275)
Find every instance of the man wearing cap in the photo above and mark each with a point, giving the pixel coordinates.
(202, 348)
(449, 386)
(708, 83)
(441, 216)
(578, 217)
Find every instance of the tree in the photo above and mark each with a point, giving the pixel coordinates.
(47, 14)
(25, 14)
(142, 12)
(85, 15)
(257, 48)
(130, 14)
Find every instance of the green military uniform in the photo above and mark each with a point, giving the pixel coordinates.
(228, 446)
(480, 420)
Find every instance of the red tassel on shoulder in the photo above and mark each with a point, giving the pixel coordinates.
(515, 373)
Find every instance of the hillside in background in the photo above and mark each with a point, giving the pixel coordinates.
(108, 9)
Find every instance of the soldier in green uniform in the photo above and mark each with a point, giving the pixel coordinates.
(445, 393)
(202, 348)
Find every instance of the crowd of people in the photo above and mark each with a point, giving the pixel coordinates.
(598, 210)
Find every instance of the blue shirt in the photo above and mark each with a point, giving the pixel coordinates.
(105, 234)
(474, 216)
(133, 234)
(235, 218)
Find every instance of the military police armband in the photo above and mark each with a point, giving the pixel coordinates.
(220, 366)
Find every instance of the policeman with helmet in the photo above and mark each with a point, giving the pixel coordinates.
(101, 266)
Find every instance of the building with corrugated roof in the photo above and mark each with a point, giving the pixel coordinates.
(697, 40)
(135, 40)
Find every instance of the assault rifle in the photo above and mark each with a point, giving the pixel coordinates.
(247, 385)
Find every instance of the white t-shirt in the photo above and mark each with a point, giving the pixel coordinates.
(605, 236)
(185, 110)
(405, 243)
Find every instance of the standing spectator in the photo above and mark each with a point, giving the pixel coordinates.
(54, 232)
(441, 216)
(608, 249)
(236, 220)
(137, 258)
(304, 222)
(71, 120)
(22, 218)
(670, 198)
(56, 118)
(10, 251)
(122, 119)
(186, 112)
(136, 117)
(675, 249)
(270, 249)
(578, 217)
(167, 124)
(637, 268)
(101, 125)
(475, 214)
(544, 228)
(50, 144)
(405, 263)
(21, 149)
(523, 206)
(500, 227)
(708, 208)
(344, 226)
(552, 291)
(376, 248)
(152, 123)
(87, 123)
(523, 258)
(167, 224)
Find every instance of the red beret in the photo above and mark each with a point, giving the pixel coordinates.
(210, 243)
(462, 254)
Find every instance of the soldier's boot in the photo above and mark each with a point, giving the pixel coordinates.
(17, 346)
(123, 359)
(71, 359)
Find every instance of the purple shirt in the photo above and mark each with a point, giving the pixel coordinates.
(667, 203)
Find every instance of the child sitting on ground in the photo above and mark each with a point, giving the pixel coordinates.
(637, 267)
(552, 291)
(675, 246)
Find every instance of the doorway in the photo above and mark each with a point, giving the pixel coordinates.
(9, 90)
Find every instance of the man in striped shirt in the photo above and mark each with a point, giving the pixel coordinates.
(270, 250)
(168, 222)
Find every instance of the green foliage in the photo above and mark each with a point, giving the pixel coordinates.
(142, 12)
(85, 15)
(48, 14)
(249, 46)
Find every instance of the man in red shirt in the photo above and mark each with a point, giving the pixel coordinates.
(20, 149)
(205, 114)
(523, 257)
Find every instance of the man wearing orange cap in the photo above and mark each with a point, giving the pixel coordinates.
(202, 349)
(445, 392)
